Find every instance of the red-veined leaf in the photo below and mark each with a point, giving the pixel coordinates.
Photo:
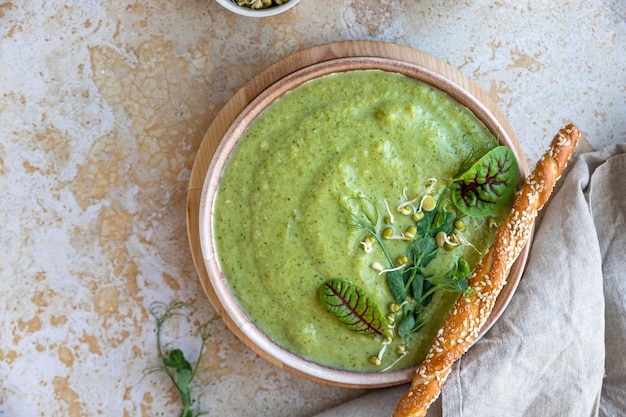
(353, 307)
(488, 184)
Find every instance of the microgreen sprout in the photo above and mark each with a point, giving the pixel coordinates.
(442, 239)
(427, 203)
(409, 233)
(417, 216)
(179, 371)
(377, 267)
(388, 234)
(384, 271)
(389, 219)
(430, 188)
(406, 207)
(378, 359)
(394, 308)
(368, 243)
(402, 260)
(462, 240)
(401, 351)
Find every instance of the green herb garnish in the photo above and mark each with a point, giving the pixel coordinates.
(174, 365)
(455, 280)
(365, 218)
(483, 184)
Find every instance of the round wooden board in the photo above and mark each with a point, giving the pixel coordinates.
(274, 73)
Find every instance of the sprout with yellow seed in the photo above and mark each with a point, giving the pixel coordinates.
(397, 268)
(407, 208)
(418, 215)
(430, 188)
(387, 233)
(368, 243)
(394, 308)
(402, 260)
(428, 203)
(440, 238)
(376, 361)
(377, 267)
(410, 232)
(443, 241)
(401, 351)
(462, 240)
(389, 219)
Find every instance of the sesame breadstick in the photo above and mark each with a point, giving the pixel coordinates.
(471, 311)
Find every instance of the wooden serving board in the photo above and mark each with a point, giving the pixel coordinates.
(279, 70)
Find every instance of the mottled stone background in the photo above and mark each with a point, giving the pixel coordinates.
(103, 105)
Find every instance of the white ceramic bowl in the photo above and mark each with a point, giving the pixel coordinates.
(246, 11)
(217, 288)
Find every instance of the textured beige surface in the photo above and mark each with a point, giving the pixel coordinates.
(102, 107)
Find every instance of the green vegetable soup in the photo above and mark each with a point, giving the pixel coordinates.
(353, 185)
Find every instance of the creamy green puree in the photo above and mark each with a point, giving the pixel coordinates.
(372, 134)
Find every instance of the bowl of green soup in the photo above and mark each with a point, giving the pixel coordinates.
(344, 210)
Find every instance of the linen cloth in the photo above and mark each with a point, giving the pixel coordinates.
(559, 348)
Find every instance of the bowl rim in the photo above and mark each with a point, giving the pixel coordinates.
(240, 324)
(245, 11)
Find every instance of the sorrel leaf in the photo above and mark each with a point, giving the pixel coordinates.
(487, 185)
(353, 307)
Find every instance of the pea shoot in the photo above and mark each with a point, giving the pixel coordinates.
(174, 364)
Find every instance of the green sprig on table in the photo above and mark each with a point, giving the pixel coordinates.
(173, 363)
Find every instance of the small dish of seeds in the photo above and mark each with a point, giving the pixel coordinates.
(258, 8)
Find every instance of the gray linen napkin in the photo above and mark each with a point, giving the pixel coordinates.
(559, 349)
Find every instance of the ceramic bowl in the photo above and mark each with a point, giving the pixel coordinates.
(246, 11)
(443, 78)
